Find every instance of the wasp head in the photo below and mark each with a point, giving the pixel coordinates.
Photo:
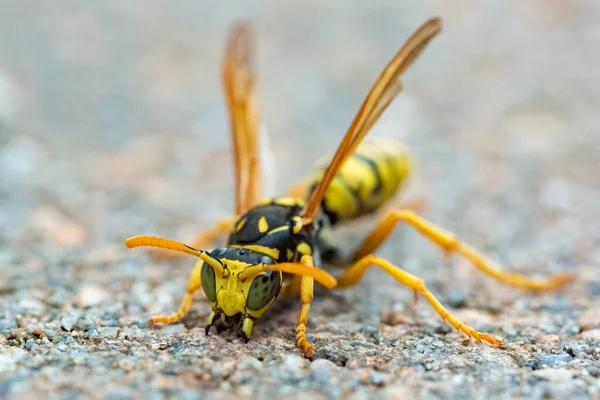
(235, 282)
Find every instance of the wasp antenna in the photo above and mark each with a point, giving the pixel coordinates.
(317, 274)
(153, 241)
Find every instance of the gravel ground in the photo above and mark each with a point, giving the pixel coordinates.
(112, 124)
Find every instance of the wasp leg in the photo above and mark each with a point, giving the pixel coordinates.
(417, 203)
(213, 317)
(193, 285)
(353, 274)
(203, 241)
(306, 295)
(450, 243)
(292, 288)
(297, 190)
(246, 328)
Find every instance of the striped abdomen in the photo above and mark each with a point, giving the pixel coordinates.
(370, 177)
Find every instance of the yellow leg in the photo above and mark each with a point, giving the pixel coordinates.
(193, 285)
(306, 295)
(292, 288)
(449, 242)
(298, 190)
(354, 273)
(416, 203)
(203, 241)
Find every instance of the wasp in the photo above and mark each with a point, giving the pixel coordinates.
(277, 247)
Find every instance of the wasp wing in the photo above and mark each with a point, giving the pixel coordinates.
(380, 96)
(239, 84)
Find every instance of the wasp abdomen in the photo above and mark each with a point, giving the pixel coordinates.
(371, 176)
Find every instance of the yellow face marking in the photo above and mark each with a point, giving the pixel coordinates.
(304, 248)
(263, 225)
(234, 266)
(290, 255)
(232, 291)
(289, 202)
(240, 224)
(273, 253)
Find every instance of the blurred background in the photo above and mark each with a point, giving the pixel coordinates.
(113, 124)
(113, 118)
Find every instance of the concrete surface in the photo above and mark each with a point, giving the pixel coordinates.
(112, 124)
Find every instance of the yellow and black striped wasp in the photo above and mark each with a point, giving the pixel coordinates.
(276, 246)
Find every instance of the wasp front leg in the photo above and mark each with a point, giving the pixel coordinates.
(450, 243)
(193, 285)
(306, 296)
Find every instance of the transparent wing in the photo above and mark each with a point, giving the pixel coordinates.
(380, 96)
(267, 161)
(239, 84)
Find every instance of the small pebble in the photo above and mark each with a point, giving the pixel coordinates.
(91, 295)
(173, 329)
(6, 325)
(108, 332)
(422, 349)
(558, 374)
(92, 334)
(294, 362)
(224, 369)
(590, 319)
(30, 344)
(85, 323)
(593, 334)
(249, 362)
(67, 323)
(457, 298)
(574, 348)
(323, 365)
(127, 364)
(550, 360)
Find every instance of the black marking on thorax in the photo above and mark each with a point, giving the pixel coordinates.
(269, 229)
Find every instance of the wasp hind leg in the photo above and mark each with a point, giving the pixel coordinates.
(203, 241)
(450, 243)
(354, 273)
(193, 285)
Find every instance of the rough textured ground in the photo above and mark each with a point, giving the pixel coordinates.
(112, 124)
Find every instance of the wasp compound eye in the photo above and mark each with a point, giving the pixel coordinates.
(267, 260)
(207, 277)
(264, 288)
